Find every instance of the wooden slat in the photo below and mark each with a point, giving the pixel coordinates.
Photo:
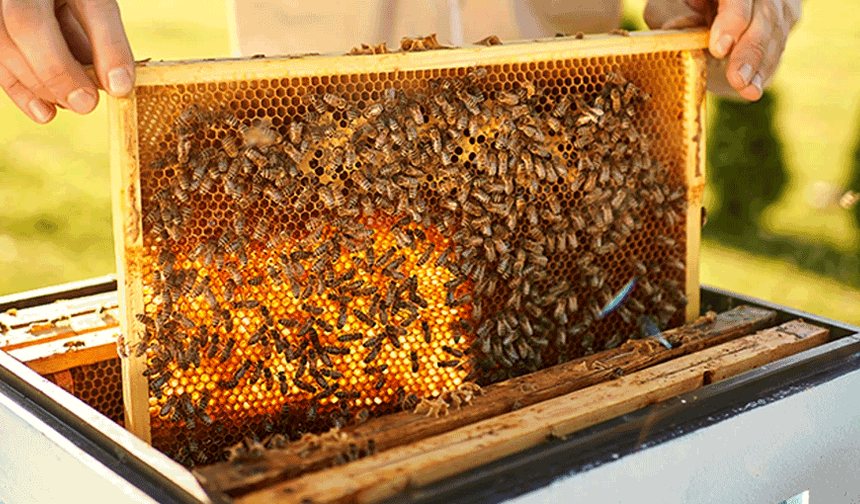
(38, 334)
(510, 52)
(88, 334)
(57, 320)
(390, 472)
(128, 242)
(74, 351)
(403, 428)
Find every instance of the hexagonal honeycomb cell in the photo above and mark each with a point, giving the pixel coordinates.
(100, 385)
(318, 245)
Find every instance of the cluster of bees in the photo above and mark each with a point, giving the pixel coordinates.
(456, 398)
(346, 448)
(431, 231)
(407, 44)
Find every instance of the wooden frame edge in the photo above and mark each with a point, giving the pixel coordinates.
(128, 244)
(71, 351)
(695, 116)
(202, 71)
(65, 361)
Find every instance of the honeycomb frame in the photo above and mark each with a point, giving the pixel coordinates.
(135, 129)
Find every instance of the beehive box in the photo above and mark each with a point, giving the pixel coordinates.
(307, 241)
(71, 342)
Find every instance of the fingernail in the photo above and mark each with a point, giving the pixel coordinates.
(82, 100)
(723, 45)
(119, 81)
(745, 71)
(756, 82)
(40, 111)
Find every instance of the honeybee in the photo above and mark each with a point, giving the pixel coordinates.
(676, 264)
(409, 320)
(672, 218)
(360, 315)
(210, 299)
(335, 101)
(415, 112)
(436, 140)
(227, 351)
(324, 325)
(295, 154)
(373, 110)
(256, 280)
(666, 241)
(273, 193)
(213, 347)
(318, 104)
(397, 139)
(256, 157)
(326, 195)
(630, 91)
(169, 405)
(380, 383)
(184, 321)
(452, 351)
(192, 114)
(507, 98)
(296, 129)
(183, 149)
(261, 228)
(374, 352)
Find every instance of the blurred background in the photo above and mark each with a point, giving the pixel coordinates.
(776, 168)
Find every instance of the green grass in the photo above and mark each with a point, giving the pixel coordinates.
(55, 209)
(778, 280)
(55, 195)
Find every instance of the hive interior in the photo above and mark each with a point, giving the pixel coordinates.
(100, 385)
(269, 250)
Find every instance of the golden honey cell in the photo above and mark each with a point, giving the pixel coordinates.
(318, 245)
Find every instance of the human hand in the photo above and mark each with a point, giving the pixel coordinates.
(43, 45)
(749, 35)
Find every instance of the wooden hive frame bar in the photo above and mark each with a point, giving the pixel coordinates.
(65, 334)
